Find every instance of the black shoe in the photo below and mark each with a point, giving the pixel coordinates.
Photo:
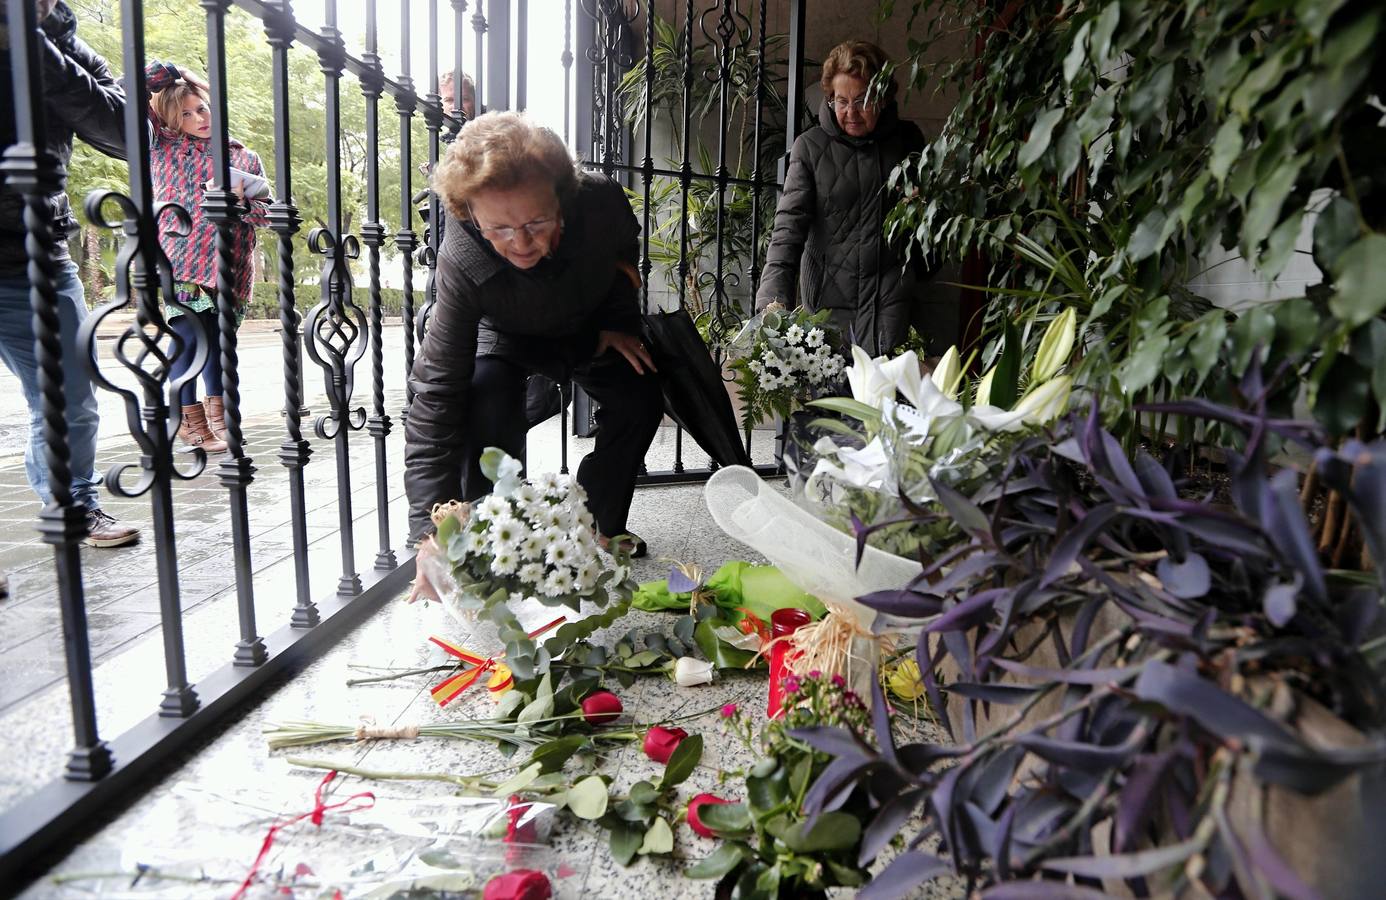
(104, 531)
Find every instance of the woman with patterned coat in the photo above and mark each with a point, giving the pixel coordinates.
(181, 167)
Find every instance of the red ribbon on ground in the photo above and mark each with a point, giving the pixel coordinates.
(315, 814)
(451, 687)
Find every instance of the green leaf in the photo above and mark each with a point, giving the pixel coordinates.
(519, 781)
(1369, 349)
(625, 842)
(658, 839)
(1337, 227)
(1255, 327)
(832, 831)
(1101, 41)
(1227, 146)
(1005, 380)
(768, 791)
(723, 860)
(555, 753)
(1040, 134)
(682, 761)
(1267, 197)
(1097, 116)
(1360, 280)
(726, 818)
(1193, 196)
(440, 859)
(542, 705)
(1077, 52)
(1149, 236)
(643, 792)
(716, 651)
(1144, 364)
(849, 407)
(1206, 345)
(509, 704)
(588, 798)
(1296, 327)
(446, 529)
(1150, 94)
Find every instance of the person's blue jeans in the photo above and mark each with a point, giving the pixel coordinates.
(17, 349)
(186, 326)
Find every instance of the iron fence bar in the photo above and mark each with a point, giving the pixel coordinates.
(44, 824)
(754, 271)
(794, 90)
(373, 236)
(336, 325)
(405, 239)
(459, 33)
(685, 176)
(521, 55)
(567, 60)
(221, 207)
(32, 169)
(727, 30)
(479, 79)
(285, 221)
(693, 176)
(647, 166)
(143, 271)
(433, 119)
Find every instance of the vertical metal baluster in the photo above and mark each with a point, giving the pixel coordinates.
(220, 206)
(433, 118)
(143, 270)
(32, 169)
(567, 60)
(336, 326)
(285, 221)
(522, 55)
(373, 236)
(794, 90)
(459, 34)
(685, 182)
(647, 166)
(479, 26)
(405, 239)
(754, 271)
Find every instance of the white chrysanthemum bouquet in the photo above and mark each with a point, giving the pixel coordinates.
(525, 541)
(784, 358)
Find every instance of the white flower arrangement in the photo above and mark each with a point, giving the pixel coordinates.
(526, 541)
(783, 359)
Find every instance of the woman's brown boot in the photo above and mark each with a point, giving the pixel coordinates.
(216, 417)
(194, 432)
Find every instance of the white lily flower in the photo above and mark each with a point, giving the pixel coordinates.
(947, 375)
(982, 396)
(1055, 346)
(876, 381)
(689, 671)
(1046, 402)
(868, 467)
(994, 418)
(928, 399)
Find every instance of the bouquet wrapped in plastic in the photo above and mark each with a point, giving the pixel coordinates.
(783, 359)
(529, 542)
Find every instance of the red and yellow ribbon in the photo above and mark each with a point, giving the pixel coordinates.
(501, 679)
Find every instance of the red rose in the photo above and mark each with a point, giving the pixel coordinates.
(694, 813)
(601, 707)
(521, 884)
(660, 743)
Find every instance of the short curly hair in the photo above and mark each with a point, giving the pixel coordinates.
(859, 58)
(497, 151)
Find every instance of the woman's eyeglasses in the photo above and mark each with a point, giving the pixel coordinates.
(504, 234)
(842, 104)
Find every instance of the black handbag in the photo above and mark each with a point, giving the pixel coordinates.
(695, 396)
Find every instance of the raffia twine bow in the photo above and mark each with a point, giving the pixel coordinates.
(826, 645)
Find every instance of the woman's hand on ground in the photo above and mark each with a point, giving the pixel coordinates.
(629, 346)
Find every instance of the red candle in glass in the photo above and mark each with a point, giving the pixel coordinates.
(782, 622)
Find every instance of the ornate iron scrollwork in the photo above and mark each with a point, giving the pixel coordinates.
(333, 332)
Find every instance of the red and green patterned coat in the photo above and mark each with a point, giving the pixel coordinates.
(181, 166)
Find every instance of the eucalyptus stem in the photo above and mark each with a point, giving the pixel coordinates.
(405, 673)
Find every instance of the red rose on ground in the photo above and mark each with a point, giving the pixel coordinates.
(601, 707)
(521, 884)
(660, 742)
(694, 813)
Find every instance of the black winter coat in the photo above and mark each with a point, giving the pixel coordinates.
(81, 97)
(829, 236)
(546, 319)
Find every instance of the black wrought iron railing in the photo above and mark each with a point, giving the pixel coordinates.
(605, 39)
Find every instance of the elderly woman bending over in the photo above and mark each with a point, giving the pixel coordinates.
(536, 273)
(829, 235)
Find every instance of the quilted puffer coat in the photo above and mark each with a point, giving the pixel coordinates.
(828, 249)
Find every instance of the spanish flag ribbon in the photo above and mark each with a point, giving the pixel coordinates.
(501, 678)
